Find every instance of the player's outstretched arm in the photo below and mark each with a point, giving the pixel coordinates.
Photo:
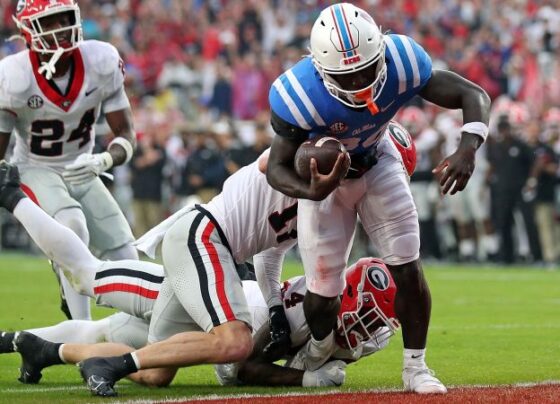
(449, 90)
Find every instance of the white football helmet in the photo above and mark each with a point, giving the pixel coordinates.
(348, 51)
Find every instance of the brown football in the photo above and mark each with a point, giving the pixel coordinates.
(324, 150)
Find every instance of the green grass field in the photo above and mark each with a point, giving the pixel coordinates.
(489, 326)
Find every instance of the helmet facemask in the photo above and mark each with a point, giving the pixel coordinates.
(356, 98)
(56, 41)
(361, 319)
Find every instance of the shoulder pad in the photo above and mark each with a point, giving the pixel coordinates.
(101, 56)
(15, 73)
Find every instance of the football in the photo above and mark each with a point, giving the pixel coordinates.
(324, 150)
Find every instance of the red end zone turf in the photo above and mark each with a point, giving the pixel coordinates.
(542, 394)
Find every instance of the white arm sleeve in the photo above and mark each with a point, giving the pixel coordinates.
(7, 121)
(116, 101)
(268, 269)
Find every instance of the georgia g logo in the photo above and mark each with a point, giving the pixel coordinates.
(378, 278)
(399, 134)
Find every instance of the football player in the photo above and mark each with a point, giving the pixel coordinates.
(366, 321)
(51, 95)
(354, 81)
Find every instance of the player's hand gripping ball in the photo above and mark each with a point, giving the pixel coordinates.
(324, 150)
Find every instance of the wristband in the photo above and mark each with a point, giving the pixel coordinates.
(125, 144)
(477, 128)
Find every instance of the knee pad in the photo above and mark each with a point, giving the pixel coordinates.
(405, 248)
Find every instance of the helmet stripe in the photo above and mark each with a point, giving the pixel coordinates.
(343, 32)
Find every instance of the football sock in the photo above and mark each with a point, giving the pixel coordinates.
(123, 365)
(58, 242)
(414, 358)
(75, 331)
(324, 347)
(490, 243)
(467, 248)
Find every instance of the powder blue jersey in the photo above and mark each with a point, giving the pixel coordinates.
(299, 97)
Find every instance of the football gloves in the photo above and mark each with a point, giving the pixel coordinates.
(86, 167)
(279, 333)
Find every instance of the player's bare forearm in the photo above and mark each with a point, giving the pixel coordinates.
(269, 374)
(121, 125)
(280, 172)
(449, 90)
(257, 370)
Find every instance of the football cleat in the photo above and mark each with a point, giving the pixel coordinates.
(34, 356)
(10, 192)
(422, 381)
(7, 342)
(99, 376)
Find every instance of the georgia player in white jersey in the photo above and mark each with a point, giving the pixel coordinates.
(51, 96)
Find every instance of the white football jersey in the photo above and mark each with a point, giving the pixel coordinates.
(254, 216)
(54, 126)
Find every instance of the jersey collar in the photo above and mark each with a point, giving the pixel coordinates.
(49, 88)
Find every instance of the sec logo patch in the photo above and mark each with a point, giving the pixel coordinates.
(35, 102)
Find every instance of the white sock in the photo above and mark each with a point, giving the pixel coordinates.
(467, 247)
(135, 359)
(414, 358)
(59, 243)
(75, 331)
(319, 349)
(490, 243)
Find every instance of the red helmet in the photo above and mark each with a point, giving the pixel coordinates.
(414, 119)
(406, 147)
(29, 19)
(367, 310)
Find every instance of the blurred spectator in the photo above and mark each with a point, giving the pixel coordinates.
(511, 160)
(541, 184)
(146, 183)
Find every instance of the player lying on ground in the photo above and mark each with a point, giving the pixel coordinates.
(366, 322)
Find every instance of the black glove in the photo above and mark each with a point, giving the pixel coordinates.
(279, 333)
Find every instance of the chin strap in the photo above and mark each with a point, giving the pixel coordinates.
(48, 68)
(366, 96)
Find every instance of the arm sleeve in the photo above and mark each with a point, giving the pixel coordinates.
(268, 269)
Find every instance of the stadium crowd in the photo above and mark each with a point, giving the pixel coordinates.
(198, 75)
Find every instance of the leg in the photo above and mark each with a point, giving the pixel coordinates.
(324, 251)
(389, 217)
(201, 290)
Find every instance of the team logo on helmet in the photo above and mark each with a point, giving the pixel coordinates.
(399, 135)
(378, 278)
(35, 102)
(338, 127)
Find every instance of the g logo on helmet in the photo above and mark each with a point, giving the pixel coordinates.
(399, 134)
(378, 278)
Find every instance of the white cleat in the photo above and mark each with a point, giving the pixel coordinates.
(422, 381)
